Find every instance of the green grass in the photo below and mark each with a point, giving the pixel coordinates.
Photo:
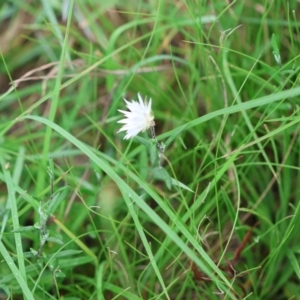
(86, 214)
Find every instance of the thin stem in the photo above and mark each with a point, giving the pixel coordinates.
(160, 147)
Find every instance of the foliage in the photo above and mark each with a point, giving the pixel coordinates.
(209, 210)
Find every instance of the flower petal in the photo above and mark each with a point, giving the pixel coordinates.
(138, 119)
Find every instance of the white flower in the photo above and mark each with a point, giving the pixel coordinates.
(138, 119)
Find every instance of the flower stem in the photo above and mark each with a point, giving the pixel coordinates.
(160, 147)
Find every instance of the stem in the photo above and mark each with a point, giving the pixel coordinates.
(160, 147)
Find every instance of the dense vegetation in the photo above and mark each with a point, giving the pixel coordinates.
(212, 213)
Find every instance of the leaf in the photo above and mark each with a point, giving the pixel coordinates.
(52, 264)
(276, 52)
(294, 263)
(174, 134)
(162, 174)
(59, 196)
(25, 229)
(34, 252)
(60, 274)
(66, 253)
(153, 154)
(143, 141)
(177, 183)
(55, 240)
